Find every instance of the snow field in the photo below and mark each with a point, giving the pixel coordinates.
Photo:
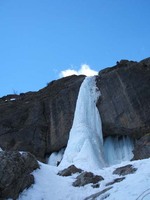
(49, 186)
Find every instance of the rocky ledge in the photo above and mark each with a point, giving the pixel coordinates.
(124, 104)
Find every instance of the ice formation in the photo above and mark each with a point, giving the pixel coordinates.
(55, 158)
(85, 144)
(85, 147)
(118, 149)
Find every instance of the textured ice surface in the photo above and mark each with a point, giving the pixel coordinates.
(118, 149)
(85, 144)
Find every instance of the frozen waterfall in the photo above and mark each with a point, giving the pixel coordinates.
(118, 149)
(85, 144)
(85, 147)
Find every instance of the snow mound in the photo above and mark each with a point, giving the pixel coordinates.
(55, 158)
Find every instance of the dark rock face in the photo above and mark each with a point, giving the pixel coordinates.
(142, 148)
(125, 170)
(69, 171)
(86, 178)
(125, 98)
(15, 169)
(39, 122)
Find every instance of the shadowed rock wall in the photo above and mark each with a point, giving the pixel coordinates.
(39, 122)
(125, 98)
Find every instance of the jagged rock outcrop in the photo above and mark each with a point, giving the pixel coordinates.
(70, 171)
(15, 169)
(39, 122)
(125, 170)
(125, 98)
(86, 178)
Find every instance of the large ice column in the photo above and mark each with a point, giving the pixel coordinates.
(85, 144)
(118, 149)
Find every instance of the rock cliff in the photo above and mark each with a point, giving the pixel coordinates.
(39, 122)
(125, 98)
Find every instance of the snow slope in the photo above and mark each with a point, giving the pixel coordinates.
(49, 186)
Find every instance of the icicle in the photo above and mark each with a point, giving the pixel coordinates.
(85, 144)
(118, 149)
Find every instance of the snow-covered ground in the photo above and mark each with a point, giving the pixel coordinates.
(49, 186)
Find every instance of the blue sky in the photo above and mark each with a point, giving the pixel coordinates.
(41, 38)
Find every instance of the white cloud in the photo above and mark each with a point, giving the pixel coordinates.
(85, 70)
(68, 72)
